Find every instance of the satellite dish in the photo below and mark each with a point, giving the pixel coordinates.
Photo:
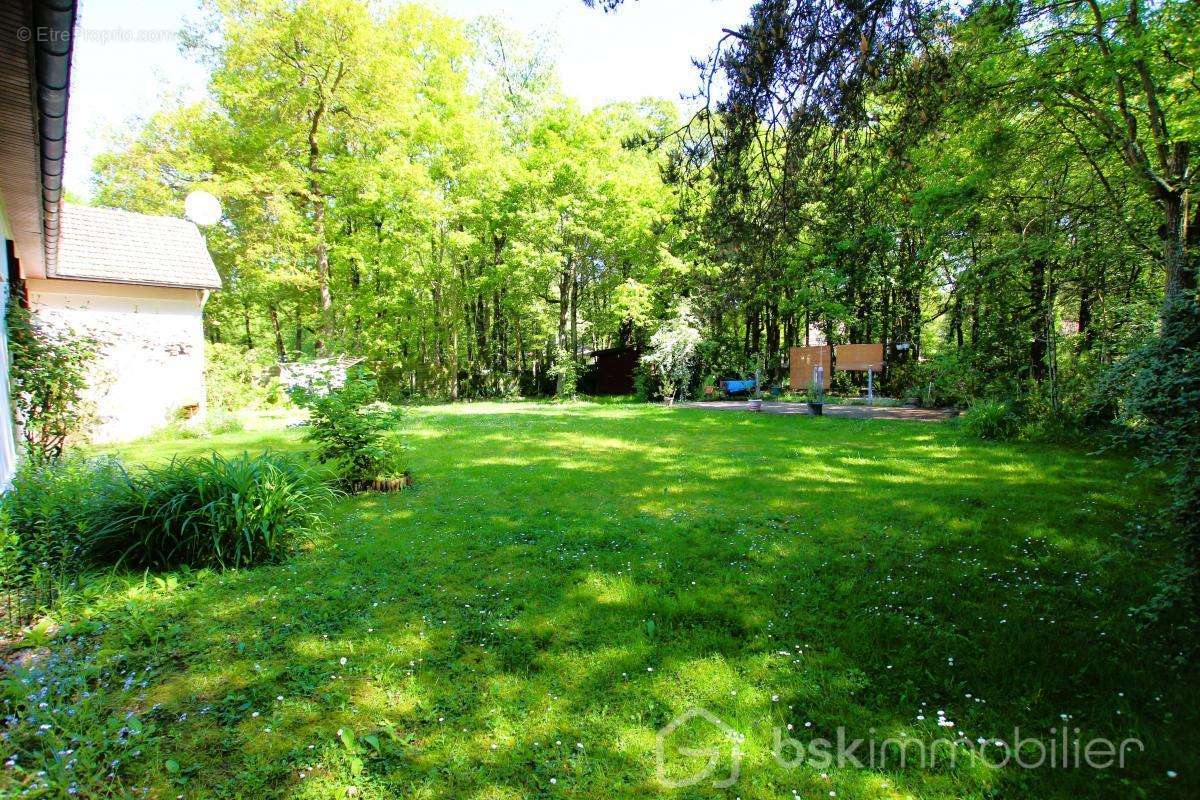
(202, 208)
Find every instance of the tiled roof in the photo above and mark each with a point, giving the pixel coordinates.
(106, 244)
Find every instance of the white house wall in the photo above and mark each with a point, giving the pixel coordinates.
(8, 450)
(152, 362)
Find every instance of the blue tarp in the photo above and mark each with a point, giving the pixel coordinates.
(733, 387)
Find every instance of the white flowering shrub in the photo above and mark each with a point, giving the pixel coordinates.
(672, 352)
(316, 377)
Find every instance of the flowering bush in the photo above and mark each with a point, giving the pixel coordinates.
(672, 352)
(314, 378)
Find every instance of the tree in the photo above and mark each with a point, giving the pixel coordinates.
(672, 351)
(459, 224)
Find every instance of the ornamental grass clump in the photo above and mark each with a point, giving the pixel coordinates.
(214, 511)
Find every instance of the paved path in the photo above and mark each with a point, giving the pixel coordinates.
(851, 412)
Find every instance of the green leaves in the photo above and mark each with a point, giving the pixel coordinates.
(49, 375)
(440, 171)
(215, 511)
(348, 430)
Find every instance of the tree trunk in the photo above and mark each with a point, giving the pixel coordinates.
(566, 283)
(1089, 294)
(299, 334)
(279, 349)
(317, 198)
(246, 323)
(500, 342)
(888, 332)
(1038, 320)
(565, 280)
(1177, 236)
(575, 316)
(323, 293)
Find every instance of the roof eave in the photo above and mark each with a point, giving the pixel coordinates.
(116, 281)
(53, 48)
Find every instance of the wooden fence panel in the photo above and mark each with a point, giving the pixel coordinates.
(803, 359)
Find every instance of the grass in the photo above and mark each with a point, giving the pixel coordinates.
(564, 580)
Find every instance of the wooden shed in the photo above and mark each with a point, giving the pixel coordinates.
(610, 371)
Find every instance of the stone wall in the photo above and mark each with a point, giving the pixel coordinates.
(152, 362)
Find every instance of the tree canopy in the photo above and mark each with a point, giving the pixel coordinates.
(1002, 193)
(410, 189)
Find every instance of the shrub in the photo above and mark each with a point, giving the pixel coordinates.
(49, 373)
(1062, 422)
(946, 379)
(993, 420)
(1161, 420)
(222, 421)
(215, 422)
(215, 511)
(565, 372)
(348, 427)
(721, 356)
(672, 352)
(234, 377)
(45, 523)
(645, 387)
(63, 517)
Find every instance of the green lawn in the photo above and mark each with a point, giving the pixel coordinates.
(565, 580)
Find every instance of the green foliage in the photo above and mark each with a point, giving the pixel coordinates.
(215, 511)
(443, 179)
(1161, 384)
(85, 740)
(234, 378)
(49, 379)
(222, 421)
(1010, 205)
(720, 356)
(991, 420)
(65, 517)
(216, 422)
(347, 426)
(645, 387)
(46, 522)
(565, 372)
(1062, 418)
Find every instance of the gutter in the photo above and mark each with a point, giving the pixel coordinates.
(118, 282)
(54, 22)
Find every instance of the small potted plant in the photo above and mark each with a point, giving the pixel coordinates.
(754, 401)
(816, 399)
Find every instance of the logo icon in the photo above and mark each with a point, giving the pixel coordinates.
(732, 738)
